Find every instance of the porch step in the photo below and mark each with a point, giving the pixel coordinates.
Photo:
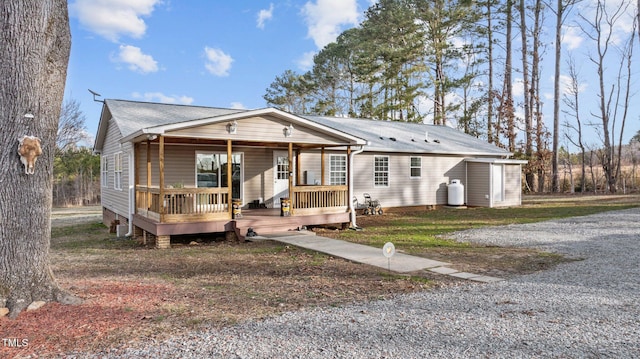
(268, 225)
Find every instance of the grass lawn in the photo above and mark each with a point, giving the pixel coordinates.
(132, 292)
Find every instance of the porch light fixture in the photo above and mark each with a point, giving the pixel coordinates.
(151, 137)
(288, 131)
(232, 127)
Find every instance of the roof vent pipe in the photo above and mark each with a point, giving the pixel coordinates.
(426, 136)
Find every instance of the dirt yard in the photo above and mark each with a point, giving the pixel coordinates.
(132, 292)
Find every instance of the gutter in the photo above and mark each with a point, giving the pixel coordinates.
(352, 210)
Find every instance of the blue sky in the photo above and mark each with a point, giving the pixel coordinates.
(198, 52)
(226, 53)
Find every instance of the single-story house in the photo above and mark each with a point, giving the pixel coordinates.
(175, 169)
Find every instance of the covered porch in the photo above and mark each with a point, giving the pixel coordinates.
(192, 181)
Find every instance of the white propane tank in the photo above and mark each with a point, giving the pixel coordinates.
(456, 193)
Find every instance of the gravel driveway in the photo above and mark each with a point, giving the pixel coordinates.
(584, 309)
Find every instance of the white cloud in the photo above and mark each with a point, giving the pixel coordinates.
(518, 87)
(565, 85)
(264, 15)
(305, 62)
(113, 18)
(160, 97)
(571, 38)
(325, 19)
(136, 60)
(218, 63)
(237, 106)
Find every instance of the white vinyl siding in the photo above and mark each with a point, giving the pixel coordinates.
(477, 186)
(117, 171)
(403, 191)
(415, 164)
(381, 171)
(338, 170)
(104, 175)
(498, 183)
(113, 198)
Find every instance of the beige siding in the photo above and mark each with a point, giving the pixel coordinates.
(479, 191)
(260, 129)
(180, 167)
(478, 185)
(258, 174)
(403, 190)
(116, 200)
(513, 185)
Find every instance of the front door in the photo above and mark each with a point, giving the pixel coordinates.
(281, 176)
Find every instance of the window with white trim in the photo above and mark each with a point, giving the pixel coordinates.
(416, 167)
(381, 171)
(338, 170)
(117, 171)
(105, 171)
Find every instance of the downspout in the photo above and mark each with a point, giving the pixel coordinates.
(352, 209)
(132, 192)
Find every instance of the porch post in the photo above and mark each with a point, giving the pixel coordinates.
(348, 164)
(322, 160)
(298, 166)
(148, 175)
(291, 206)
(161, 168)
(229, 179)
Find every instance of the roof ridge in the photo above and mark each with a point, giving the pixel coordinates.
(178, 105)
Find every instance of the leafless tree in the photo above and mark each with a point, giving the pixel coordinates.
(571, 100)
(71, 128)
(600, 29)
(34, 43)
(563, 8)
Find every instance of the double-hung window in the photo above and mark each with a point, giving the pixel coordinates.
(338, 170)
(416, 167)
(117, 172)
(104, 175)
(381, 171)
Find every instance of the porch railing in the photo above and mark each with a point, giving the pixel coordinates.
(183, 204)
(307, 200)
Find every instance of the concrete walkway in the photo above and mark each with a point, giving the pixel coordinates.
(399, 262)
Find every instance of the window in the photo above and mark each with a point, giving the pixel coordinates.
(282, 167)
(338, 170)
(381, 171)
(117, 172)
(416, 167)
(105, 171)
(211, 171)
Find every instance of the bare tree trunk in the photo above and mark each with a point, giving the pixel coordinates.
(35, 43)
(528, 127)
(625, 89)
(571, 100)
(507, 112)
(555, 186)
(490, 94)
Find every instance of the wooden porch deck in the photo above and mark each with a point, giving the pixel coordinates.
(175, 211)
(262, 221)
